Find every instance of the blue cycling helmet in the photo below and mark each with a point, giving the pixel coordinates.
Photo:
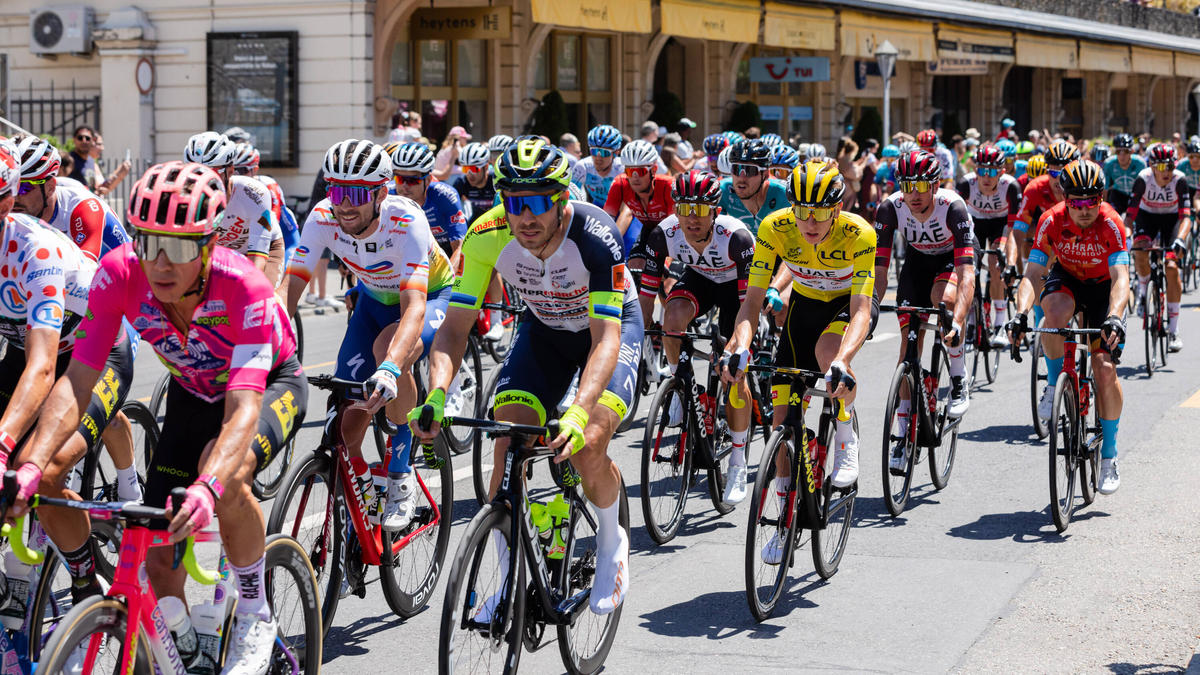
(772, 140)
(733, 136)
(604, 136)
(783, 155)
(1007, 147)
(714, 144)
(890, 151)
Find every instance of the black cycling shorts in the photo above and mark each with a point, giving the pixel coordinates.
(1158, 227)
(988, 230)
(1118, 200)
(704, 294)
(191, 423)
(1091, 297)
(917, 277)
(807, 320)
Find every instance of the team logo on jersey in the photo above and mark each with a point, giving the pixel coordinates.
(11, 298)
(618, 277)
(378, 269)
(49, 313)
(371, 247)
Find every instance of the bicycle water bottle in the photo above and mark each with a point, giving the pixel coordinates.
(540, 516)
(187, 642)
(12, 614)
(559, 512)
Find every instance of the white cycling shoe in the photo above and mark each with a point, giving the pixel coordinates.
(675, 413)
(772, 553)
(735, 484)
(401, 503)
(252, 646)
(1110, 478)
(845, 463)
(1046, 403)
(611, 582)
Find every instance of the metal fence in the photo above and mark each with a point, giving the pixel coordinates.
(118, 196)
(56, 114)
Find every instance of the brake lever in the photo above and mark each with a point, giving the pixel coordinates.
(178, 495)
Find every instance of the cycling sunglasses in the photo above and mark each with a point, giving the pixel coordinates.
(638, 171)
(1084, 202)
(179, 249)
(987, 172)
(1054, 173)
(712, 160)
(747, 170)
(921, 186)
(28, 186)
(601, 152)
(242, 170)
(1164, 166)
(537, 204)
(467, 168)
(782, 173)
(817, 213)
(408, 180)
(689, 209)
(357, 194)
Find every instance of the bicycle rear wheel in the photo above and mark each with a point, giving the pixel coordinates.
(941, 457)
(291, 587)
(481, 580)
(104, 618)
(666, 466)
(469, 399)
(829, 544)
(897, 484)
(770, 517)
(99, 480)
(1164, 335)
(1150, 324)
(483, 452)
(1064, 448)
(158, 400)
(420, 549)
(1037, 380)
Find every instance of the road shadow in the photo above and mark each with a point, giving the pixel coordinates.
(724, 614)
(1009, 434)
(1020, 526)
(873, 512)
(351, 640)
(1144, 668)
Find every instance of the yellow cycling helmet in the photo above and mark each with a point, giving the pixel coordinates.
(1036, 166)
(816, 183)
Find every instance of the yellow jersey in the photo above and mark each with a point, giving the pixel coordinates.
(842, 264)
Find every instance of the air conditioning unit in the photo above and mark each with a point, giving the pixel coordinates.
(61, 30)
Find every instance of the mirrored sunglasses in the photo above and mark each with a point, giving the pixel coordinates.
(179, 250)
(817, 213)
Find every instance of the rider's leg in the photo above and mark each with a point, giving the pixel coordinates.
(1059, 307)
(356, 361)
(679, 313)
(945, 290)
(69, 528)
(1141, 265)
(996, 292)
(118, 442)
(1109, 400)
(1174, 294)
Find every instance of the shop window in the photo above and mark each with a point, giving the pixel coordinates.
(541, 67)
(446, 80)
(401, 64)
(597, 65)
(471, 67)
(567, 70)
(579, 66)
(434, 57)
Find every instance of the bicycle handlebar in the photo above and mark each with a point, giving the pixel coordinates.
(355, 391)
(680, 334)
(842, 414)
(500, 306)
(1066, 333)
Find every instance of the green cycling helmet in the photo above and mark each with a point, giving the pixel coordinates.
(1024, 148)
(529, 163)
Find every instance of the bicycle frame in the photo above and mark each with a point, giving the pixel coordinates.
(923, 413)
(702, 412)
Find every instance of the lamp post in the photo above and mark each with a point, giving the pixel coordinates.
(885, 56)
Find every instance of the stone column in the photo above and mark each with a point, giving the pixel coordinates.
(126, 115)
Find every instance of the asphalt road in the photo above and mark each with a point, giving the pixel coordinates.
(973, 578)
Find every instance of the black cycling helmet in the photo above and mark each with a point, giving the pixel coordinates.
(1082, 178)
(1100, 152)
(530, 163)
(751, 151)
(1061, 153)
(1123, 142)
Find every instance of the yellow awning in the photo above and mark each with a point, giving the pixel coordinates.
(627, 16)
(799, 27)
(1153, 61)
(1187, 65)
(1044, 52)
(1107, 58)
(862, 33)
(976, 44)
(728, 20)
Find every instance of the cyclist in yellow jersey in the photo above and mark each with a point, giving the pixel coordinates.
(831, 256)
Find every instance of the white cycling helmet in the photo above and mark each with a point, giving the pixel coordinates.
(499, 143)
(238, 135)
(578, 194)
(474, 154)
(210, 149)
(10, 170)
(723, 163)
(413, 157)
(816, 151)
(357, 162)
(245, 156)
(639, 153)
(37, 158)
(908, 146)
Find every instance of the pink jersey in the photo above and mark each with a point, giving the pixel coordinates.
(237, 336)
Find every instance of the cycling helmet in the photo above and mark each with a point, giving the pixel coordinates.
(802, 150)
(391, 147)
(751, 151)
(356, 162)
(210, 149)
(989, 155)
(245, 156)
(783, 155)
(1123, 142)
(604, 136)
(817, 151)
(1061, 153)
(413, 157)
(733, 136)
(38, 159)
(1160, 153)
(723, 164)
(499, 143)
(816, 183)
(530, 163)
(890, 151)
(697, 187)
(639, 153)
(714, 144)
(772, 140)
(1100, 152)
(180, 198)
(1008, 148)
(908, 146)
(10, 172)
(1082, 178)
(1024, 148)
(919, 165)
(1035, 166)
(1193, 146)
(238, 135)
(927, 139)
(578, 194)
(474, 154)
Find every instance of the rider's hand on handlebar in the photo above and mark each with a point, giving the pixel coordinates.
(733, 366)
(381, 387)
(953, 336)
(774, 300)
(194, 514)
(29, 476)
(571, 438)
(1113, 330)
(838, 379)
(436, 402)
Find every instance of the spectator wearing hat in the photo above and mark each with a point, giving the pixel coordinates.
(685, 149)
(649, 133)
(445, 165)
(1007, 132)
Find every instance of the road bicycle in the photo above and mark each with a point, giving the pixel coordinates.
(336, 521)
(926, 425)
(560, 562)
(810, 501)
(510, 306)
(978, 331)
(1154, 313)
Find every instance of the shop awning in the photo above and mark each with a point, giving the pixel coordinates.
(1107, 58)
(1152, 61)
(799, 27)
(1187, 65)
(956, 42)
(627, 16)
(862, 33)
(728, 20)
(1044, 52)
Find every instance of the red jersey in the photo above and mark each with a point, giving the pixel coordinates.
(1085, 253)
(652, 213)
(1039, 197)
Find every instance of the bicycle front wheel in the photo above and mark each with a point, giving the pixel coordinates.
(419, 550)
(829, 544)
(94, 631)
(771, 534)
(1150, 323)
(900, 436)
(291, 586)
(1064, 444)
(941, 457)
(483, 453)
(52, 599)
(99, 480)
(666, 466)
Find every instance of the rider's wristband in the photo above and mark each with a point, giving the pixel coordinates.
(214, 486)
(7, 445)
(391, 368)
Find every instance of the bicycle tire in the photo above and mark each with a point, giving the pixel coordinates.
(716, 477)
(1150, 327)
(461, 590)
(285, 556)
(1064, 440)
(972, 339)
(662, 524)
(1164, 335)
(763, 606)
(460, 440)
(480, 480)
(326, 547)
(1037, 380)
(298, 328)
(829, 544)
(408, 599)
(581, 569)
(96, 614)
(158, 400)
(896, 492)
(1089, 463)
(939, 470)
(98, 482)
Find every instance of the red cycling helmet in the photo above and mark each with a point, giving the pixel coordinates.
(927, 139)
(918, 165)
(10, 170)
(1160, 153)
(697, 187)
(177, 198)
(989, 155)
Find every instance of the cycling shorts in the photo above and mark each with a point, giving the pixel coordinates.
(543, 361)
(704, 294)
(1160, 227)
(808, 319)
(191, 423)
(356, 357)
(919, 275)
(1091, 297)
(1118, 200)
(988, 230)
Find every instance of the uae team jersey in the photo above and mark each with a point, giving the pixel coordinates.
(1147, 195)
(1085, 253)
(1001, 205)
(583, 279)
(238, 334)
(725, 257)
(87, 220)
(399, 255)
(840, 265)
(947, 230)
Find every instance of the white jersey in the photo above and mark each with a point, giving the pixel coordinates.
(1151, 197)
(946, 230)
(730, 244)
(585, 175)
(248, 226)
(1004, 201)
